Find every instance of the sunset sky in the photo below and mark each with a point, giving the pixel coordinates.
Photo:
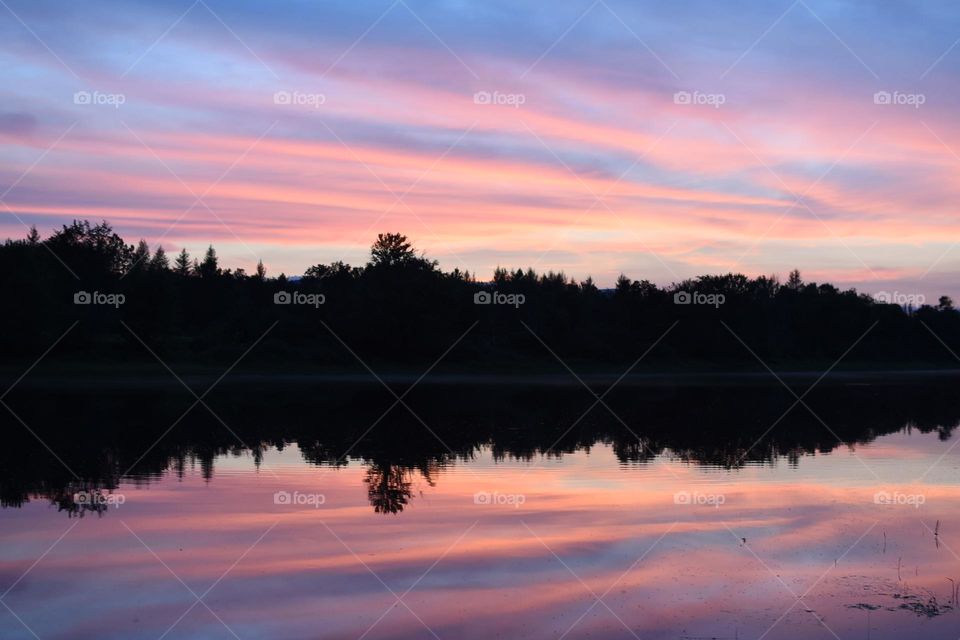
(659, 139)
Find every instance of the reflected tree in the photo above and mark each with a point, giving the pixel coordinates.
(388, 487)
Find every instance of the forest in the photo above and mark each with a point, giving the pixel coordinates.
(124, 301)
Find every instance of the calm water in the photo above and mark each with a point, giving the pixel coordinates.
(423, 531)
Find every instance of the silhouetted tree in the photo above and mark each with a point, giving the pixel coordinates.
(141, 256)
(209, 268)
(794, 281)
(388, 487)
(390, 250)
(94, 250)
(181, 265)
(159, 262)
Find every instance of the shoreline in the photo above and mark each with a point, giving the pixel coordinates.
(118, 379)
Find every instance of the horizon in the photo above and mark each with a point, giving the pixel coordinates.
(663, 142)
(904, 300)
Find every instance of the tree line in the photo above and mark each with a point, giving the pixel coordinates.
(122, 432)
(401, 307)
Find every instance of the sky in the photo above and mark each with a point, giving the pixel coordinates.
(661, 140)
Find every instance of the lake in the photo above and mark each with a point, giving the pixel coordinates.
(475, 511)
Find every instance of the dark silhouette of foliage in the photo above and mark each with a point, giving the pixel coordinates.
(391, 250)
(402, 308)
(91, 250)
(209, 268)
(182, 264)
(100, 433)
(141, 257)
(159, 263)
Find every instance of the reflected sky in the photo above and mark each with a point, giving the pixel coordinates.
(505, 548)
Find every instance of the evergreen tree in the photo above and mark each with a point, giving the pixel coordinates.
(141, 256)
(159, 261)
(209, 268)
(261, 271)
(181, 266)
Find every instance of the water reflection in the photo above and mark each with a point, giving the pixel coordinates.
(686, 532)
(113, 436)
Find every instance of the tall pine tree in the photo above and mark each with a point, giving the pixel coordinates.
(159, 261)
(181, 266)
